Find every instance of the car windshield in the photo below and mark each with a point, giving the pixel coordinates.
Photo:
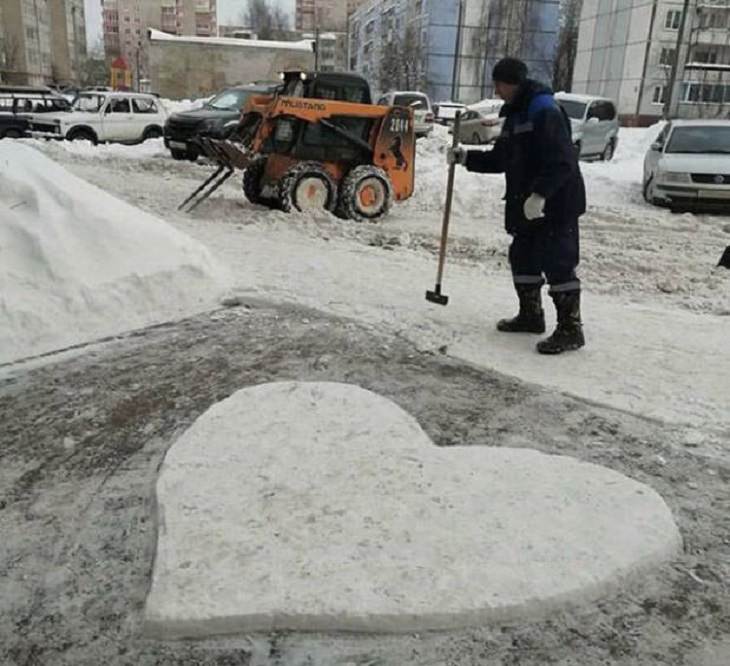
(418, 101)
(230, 100)
(90, 103)
(575, 110)
(700, 139)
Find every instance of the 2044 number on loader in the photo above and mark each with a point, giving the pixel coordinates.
(317, 143)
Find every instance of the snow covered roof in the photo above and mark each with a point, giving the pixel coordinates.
(302, 45)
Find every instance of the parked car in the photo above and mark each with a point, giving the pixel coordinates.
(121, 117)
(423, 116)
(213, 119)
(594, 122)
(445, 112)
(476, 126)
(688, 166)
(17, 102)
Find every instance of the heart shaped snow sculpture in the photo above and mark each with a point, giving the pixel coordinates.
(322, 506)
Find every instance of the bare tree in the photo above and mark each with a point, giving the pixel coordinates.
(401, 64)
(266, 20)
(567, 44)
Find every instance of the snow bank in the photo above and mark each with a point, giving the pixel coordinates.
(150, 149)
(77, 264)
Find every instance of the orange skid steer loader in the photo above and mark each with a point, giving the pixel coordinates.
(317, 143)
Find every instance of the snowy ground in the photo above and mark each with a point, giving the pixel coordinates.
(653, 387)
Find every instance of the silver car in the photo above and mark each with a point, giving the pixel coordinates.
(594, 123)
(423, 117)
(478, 126)
(688, 166)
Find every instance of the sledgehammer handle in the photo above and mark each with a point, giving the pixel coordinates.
(447, 205)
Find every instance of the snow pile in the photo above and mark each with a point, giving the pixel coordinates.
(150, 149)
(620, 180)
(77, 264)
(471, 190)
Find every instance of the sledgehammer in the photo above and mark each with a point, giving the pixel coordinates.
(436, 296)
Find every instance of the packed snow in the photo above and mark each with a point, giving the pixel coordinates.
(77, 263)
(655, 305)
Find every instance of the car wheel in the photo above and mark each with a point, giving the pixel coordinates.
(648, 192)
(12, 134)
(82, 135)
(179, 154)
(607, 154)
(476, 138)
(152, 133)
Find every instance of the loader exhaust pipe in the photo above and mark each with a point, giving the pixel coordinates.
(436, 296)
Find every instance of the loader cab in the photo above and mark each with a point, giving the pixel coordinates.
(318, 141)
(335, 86)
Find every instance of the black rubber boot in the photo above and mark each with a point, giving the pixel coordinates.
(531, 317)
(569, 333)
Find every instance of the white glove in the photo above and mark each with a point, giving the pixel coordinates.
(455, 156)
(534, 207)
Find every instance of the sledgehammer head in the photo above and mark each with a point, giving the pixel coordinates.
(436, 296)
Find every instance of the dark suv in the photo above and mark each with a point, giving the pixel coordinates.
(214, 119)
(18, 101)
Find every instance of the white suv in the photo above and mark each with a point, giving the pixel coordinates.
(420, 103)
(594, 123)
(104, 116)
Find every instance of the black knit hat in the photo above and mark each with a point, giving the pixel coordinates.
(510, 70)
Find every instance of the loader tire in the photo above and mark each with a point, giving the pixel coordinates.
(252, 182)
(365, 194)
(307, 186)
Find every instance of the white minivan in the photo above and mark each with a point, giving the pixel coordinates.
(594, 123)
(423, 116)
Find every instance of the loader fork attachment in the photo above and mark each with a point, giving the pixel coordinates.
(228, 156)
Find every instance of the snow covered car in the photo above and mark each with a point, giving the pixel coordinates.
(594, 124)
(420, 103)
(121, 117)
(688, 166)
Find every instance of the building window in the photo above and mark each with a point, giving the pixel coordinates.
(707, 56)
(673, 19)
(710, 19)
(704, 93)
(667, 57)
(660, 95)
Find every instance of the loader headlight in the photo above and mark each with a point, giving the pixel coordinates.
(673, 177)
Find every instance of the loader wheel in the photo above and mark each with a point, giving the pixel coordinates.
(252, 181)
(307, 186)
(366, 193)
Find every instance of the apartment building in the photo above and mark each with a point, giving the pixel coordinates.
(448, 49)
(42, 41)
(125, 23)
(654, 59)
(311, 15)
